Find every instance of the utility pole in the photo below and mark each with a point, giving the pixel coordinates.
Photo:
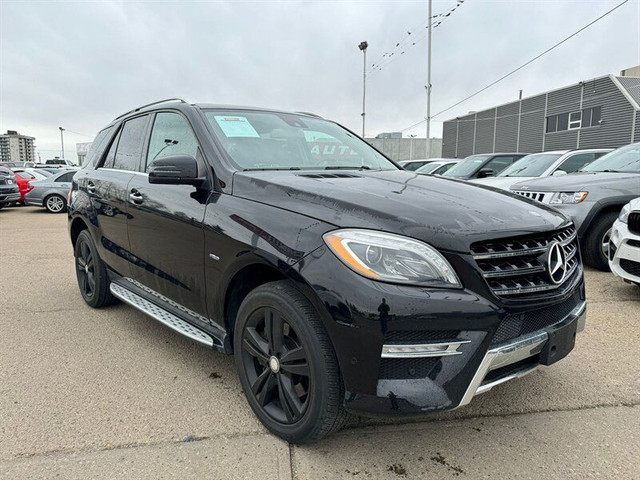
(363, 46)
(429, 82)
(62, 141)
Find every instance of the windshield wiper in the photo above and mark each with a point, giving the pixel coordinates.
(347, 167)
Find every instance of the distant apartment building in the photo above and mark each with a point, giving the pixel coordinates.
(16, 148)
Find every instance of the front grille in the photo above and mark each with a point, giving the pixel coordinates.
(396, 368)
(612, 250)
(631, 267)
(633, 243)
(538, 196)
(409, 337)
(633, 222)
(517, 267)
(514, 325)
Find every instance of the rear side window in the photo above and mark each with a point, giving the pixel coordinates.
(67, 177)
(576, 162)
(414, 166)
(98, 146)
(130, 144)
(171, 135)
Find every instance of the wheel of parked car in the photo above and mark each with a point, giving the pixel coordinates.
(92, 273)
(55, 203)
(286, 364)
(596, 245)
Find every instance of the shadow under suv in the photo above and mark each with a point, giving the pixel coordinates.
(340, 282)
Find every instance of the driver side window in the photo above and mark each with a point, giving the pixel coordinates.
(171, 135)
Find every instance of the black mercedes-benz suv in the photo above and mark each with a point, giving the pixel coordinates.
(339, 281)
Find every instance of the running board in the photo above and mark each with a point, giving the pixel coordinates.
(161, 315)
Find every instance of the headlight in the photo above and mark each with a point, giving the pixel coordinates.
(391, 258)
(624, 213)
(568, 197)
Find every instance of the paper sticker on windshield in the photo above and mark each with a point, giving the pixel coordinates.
(236, 126)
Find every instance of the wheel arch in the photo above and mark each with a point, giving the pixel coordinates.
(77, 226)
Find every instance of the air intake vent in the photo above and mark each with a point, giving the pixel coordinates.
(328, 175)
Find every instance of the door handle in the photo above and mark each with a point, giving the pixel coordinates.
(136, 197)
(91, 188)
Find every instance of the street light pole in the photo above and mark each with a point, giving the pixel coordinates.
(429, 82)
(62, 141)
(363, 46)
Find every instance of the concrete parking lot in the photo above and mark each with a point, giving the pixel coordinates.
(112, 394)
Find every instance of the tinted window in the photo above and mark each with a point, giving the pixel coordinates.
(25, 175)
(467, 166)
(552, 124)
(130, 145)
(531, 165)
(171, 135)
(67, 177)
(563, 122)
(414, 166)
(111, 156)
(576, 162)
(442, 169)
(498, 164)
(97, 147)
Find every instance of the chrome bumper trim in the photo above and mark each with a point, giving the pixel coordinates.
(422, 350)
(515, 351)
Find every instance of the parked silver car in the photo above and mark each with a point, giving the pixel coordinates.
(52, 192)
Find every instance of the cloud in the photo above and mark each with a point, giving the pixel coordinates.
(80, 64)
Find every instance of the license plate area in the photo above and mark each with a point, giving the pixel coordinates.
(561, 341)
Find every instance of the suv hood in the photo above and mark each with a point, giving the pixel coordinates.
(446, 213)
(576, 182)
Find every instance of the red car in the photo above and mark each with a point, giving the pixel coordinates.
(24, 179)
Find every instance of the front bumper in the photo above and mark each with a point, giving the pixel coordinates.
(406, 350)
(624, 252)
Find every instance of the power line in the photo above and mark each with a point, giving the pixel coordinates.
(521, 66)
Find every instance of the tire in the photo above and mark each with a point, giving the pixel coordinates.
(55, 203)
(91, 273)
(305, 374)
(594, 252)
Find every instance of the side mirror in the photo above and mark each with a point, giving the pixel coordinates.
(175, 170)
(558, 173)
(485, 172)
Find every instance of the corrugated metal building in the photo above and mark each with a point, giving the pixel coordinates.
(603, 112)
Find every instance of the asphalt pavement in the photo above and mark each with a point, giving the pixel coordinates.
(111, 393)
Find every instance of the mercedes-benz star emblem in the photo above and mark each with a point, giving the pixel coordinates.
(556, 263)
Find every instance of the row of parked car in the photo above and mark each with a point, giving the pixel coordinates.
(598, 188)
(43, 186)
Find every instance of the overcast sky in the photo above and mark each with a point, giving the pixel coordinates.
(80, 64)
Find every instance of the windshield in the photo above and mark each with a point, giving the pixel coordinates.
(467, 166)
(625, 159)
(531, 165)
(430, 167)
(282, 141)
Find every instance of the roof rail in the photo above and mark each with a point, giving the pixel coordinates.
(310, 114)
(150, 104)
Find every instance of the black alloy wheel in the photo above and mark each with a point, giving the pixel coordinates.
(276, 365)
(86, 272)
(286, 363)
(93, 280)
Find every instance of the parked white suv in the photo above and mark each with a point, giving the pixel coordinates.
(544, 164)
(624, 245)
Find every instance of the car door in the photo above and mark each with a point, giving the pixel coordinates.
(165, 221)
(576, 162)
(107, 189)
